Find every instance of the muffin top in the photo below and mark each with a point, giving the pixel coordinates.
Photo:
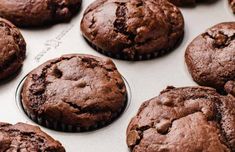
(210, 56)
(132, 27)
(23, 137)
(12, 48)
(79, 90)
(189, 119)
(26, 13)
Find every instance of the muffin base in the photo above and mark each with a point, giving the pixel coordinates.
(55, 125)
(58, 126)
(137, 57)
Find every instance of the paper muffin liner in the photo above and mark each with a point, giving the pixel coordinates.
(58, 126)
(137, 57)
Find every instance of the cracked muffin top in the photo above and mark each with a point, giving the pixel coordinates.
(26, 138)
(28, 13)
(211, 57)
(186, 119)
(131, 29)
(12, 49)
(77, 90)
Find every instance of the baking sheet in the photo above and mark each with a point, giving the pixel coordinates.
(145, 78)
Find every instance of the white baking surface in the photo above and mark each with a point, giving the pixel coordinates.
(146, 78)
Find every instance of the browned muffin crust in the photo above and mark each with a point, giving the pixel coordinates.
(28, 13)
(184, 119)
(132, 28)
(23, 137)
(12, 49)
(210, 56)
(76, 90)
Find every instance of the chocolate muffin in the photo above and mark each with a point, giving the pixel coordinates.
(74, 93)
(12, 49)
(210, 56)
(232, 4)
(26, 138)
(28, 13)
(132, 29)
(186, 119)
